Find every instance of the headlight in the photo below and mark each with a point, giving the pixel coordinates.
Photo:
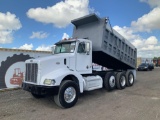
(49, 82)
(145, 67)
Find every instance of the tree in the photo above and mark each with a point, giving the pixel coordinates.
(156, 58)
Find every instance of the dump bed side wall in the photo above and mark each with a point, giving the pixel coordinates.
(110, 49)
(119, 48)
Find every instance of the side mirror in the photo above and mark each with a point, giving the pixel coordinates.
(87, 47)
(53, 48)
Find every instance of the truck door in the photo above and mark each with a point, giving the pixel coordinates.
(83, 59)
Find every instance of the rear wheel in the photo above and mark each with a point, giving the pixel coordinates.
(109, 81)
(130, 78)
(68, 94)
(121, 80)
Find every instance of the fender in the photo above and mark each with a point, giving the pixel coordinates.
(61, 73)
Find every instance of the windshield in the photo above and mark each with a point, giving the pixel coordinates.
(67, 47)
(143, 64)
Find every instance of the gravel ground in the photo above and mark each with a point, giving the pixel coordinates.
(139, 102)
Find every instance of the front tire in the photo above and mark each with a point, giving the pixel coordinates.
(68, 94)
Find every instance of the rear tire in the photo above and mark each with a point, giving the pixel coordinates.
(129, 78)
(68, 94)
(109, 81)
(121, 80)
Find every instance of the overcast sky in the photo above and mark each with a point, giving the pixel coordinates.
(38, 24)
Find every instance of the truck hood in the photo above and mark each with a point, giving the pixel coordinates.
(51, 63)
(50, 58)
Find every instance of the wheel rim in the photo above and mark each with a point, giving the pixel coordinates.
(123, 81)
(131, 79)
(112, 81)
(70, 94)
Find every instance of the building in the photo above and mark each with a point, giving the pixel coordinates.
(12, 65)
(144, 60)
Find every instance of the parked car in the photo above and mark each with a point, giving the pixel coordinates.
(145, 66)
(151, 66)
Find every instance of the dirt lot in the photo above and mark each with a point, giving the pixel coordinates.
(140, 102)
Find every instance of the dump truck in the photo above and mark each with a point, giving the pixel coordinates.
(68, 72)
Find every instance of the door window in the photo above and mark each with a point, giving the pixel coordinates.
(81, 48)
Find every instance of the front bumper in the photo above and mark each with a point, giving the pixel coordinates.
(40, 90)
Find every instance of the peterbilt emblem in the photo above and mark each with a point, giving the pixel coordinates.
(57, 63)
(31, 60)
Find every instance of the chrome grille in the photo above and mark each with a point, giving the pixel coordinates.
(31, 72)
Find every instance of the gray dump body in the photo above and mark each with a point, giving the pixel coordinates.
(110, 49)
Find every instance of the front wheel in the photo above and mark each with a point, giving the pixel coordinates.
(68, 94)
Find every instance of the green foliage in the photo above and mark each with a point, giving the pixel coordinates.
(156, 58)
